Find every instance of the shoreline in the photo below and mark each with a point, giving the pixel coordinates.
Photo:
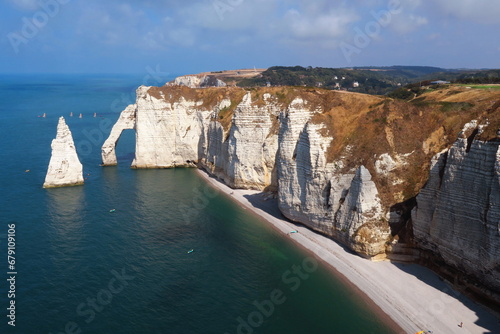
(408, 297)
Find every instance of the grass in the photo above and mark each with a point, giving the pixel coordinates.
(363, 127)
(455, 106)
(494, 87)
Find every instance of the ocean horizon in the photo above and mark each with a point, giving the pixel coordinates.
(142, 251)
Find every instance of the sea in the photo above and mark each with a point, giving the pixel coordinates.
(140, 251)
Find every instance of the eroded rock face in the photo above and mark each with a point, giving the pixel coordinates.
(245, 156)
(125, 121)
(316, 193)
(252, 146)
(269, 145)
(194, 81)
(360, 218)
(168, 134)
(303, 173)
(65, 168)
(457, 215)
(216, 158)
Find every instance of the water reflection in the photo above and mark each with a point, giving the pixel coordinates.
(66, 210)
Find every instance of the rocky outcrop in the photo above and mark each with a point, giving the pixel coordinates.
(360, 217)
(251, 146)
(457, 216)
(168, 133)
(65, 168)
(315, 192)
(196, 81)
(303, 172)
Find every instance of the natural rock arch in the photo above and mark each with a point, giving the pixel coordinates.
(125, 122)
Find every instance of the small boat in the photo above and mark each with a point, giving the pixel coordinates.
(190, 251)
(71, 114)
(80, 116)
(112, 210)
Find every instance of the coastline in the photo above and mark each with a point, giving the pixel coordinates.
(408, 297)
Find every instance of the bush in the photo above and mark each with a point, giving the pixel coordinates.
(402, 94)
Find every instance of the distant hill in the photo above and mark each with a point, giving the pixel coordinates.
(370, 80)
(375, 80)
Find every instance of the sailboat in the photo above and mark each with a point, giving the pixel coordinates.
(44, 115)
(80, 116)
(71, 114)
(95, 115)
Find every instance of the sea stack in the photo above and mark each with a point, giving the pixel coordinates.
(65, 168)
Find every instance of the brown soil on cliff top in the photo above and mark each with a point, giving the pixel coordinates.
(231, 77)
(363, 127)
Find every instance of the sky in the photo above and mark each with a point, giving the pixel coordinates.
(191, 36)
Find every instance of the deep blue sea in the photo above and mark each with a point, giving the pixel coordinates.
(83, 269)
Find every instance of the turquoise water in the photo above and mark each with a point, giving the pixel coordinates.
(82, 269)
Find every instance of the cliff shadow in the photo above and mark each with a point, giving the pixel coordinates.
(264, 202)
(486, 318)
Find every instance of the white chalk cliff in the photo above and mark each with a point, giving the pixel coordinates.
(457, 216)
(196, 81)
(269, 145)
(345, 205)
(247, 159)
(336, 164)
(65, 168)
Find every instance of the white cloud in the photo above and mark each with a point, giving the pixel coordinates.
(30, 5)
(189, 24)
(225, 15)
(183, 37)
(479, 11)
(409, 17)
(404, 24)
(328, 25)
(434, 36)
(119, 25)
(410, 5)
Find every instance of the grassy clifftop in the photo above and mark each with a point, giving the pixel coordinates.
(366, 127)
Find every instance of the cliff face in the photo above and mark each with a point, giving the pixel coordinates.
(65, 168)
(342, 204)
(195, 81)
(167, 132)
(258, 140)
(339, 163)
(457, 216)
(251, 145)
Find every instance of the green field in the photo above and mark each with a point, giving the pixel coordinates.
(481, 86)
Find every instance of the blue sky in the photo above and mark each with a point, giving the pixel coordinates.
(189, 36)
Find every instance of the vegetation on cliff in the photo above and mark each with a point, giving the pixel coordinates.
(364, 127)
(370, 80)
